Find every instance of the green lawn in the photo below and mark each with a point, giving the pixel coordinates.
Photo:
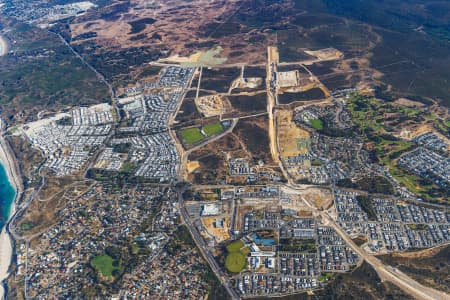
(104, 264)
(235, 262)
(317, 124)
(26, 226)
(127, 167)
(194, 135)
(191, 136)
(235, 246)
(418, 226)
(325, 277)
(316, 163)
(211, 129)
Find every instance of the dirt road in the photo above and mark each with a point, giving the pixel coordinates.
(272, 61)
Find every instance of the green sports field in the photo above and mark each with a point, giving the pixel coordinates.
(211, 129)
(235, 246)
(191, 136)
(235, 262)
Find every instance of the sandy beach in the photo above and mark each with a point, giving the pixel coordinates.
(6, 249)
(3, 46)
(5, 258)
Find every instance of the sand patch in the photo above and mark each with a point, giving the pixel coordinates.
(326, 54)
(211, 57)
(218, 227)
(191, 166)
(292, 140)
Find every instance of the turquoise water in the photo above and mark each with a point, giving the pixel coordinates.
(264, 242)
(7, 194)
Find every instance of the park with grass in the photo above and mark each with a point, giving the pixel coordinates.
(105, 265)
(235, 261)
(317, 124)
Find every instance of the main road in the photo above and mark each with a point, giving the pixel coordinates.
(386, 273)
(204, 250)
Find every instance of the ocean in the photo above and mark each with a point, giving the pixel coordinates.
(7, 194)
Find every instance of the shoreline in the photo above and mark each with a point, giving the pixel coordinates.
(3, 46)
(6, 241)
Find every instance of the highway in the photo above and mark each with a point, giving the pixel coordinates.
(203, 248)
(199, 241)
(387, 273)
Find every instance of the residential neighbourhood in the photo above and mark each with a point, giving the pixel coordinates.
(263, 231)
(224, 150)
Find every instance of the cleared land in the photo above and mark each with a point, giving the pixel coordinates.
(210, 106)
(292, 140)
(191, 166)
(220, 233)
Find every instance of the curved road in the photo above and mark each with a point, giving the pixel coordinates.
(386, 273)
